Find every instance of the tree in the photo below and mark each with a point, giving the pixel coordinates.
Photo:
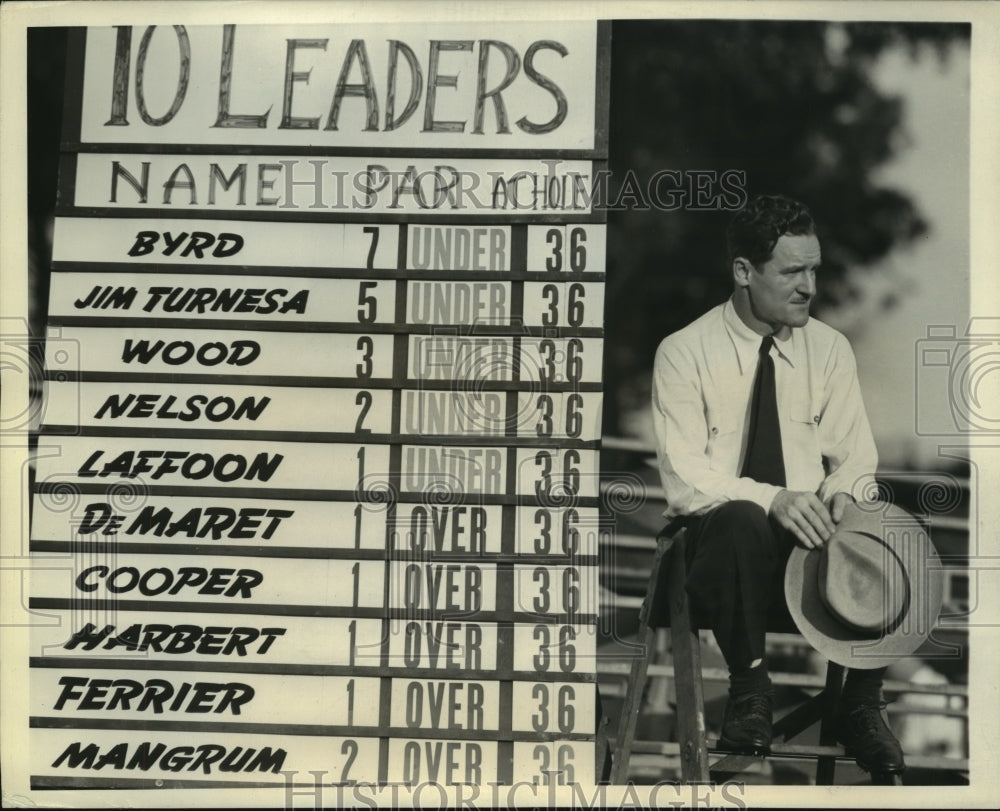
(790, 104)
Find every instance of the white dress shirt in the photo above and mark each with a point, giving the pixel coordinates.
(702, 380)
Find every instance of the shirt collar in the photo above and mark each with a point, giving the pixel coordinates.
(746, 342)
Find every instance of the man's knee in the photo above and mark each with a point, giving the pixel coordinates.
(741, 528)
(741, 515)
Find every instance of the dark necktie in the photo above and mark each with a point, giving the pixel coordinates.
(763, 461)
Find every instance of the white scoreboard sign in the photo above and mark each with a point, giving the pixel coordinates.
(317, 477)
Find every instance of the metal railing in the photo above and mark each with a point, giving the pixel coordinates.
(613, 673)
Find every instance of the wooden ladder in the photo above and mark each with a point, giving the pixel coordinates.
(693, 740)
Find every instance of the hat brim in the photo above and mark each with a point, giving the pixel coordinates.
(839, 643)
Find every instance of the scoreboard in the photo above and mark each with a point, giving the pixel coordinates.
(319, 459)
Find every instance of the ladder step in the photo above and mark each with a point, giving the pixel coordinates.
(787, 751)
(806, 680)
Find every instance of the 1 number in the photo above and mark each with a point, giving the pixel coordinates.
(357, 527)
(361, 466)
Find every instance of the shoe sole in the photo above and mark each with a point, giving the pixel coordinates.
(873, 770)
(743, 748)
(866, 768)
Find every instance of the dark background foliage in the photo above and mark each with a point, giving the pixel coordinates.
(791, 104)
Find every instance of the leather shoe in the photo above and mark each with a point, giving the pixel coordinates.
(862, 730)
(746, 726)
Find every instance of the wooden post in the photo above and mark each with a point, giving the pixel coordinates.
(691, 731)
(827, 766)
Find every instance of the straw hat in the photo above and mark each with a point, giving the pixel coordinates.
(872, 593)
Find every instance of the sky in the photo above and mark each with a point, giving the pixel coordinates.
(931, 276)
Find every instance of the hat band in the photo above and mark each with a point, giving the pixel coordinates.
(891, 626)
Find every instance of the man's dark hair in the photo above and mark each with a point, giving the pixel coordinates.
(758, 226)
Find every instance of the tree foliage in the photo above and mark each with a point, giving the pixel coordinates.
(791, 104)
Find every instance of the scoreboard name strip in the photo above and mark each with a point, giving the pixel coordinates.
(135, 637)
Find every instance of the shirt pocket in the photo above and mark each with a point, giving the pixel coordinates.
(725, 437)
(800, 437)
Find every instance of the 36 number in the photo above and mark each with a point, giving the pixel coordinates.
(574, 304)
(577, 250)
(565, 711)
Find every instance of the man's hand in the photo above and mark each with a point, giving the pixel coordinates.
(837, 504)
(805, 515)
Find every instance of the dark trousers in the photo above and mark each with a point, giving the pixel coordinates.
(736, 559)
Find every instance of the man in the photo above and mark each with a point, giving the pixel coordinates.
(762, 441)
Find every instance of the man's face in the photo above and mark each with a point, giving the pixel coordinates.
(782, 287)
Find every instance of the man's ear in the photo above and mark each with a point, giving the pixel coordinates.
(741, 271)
